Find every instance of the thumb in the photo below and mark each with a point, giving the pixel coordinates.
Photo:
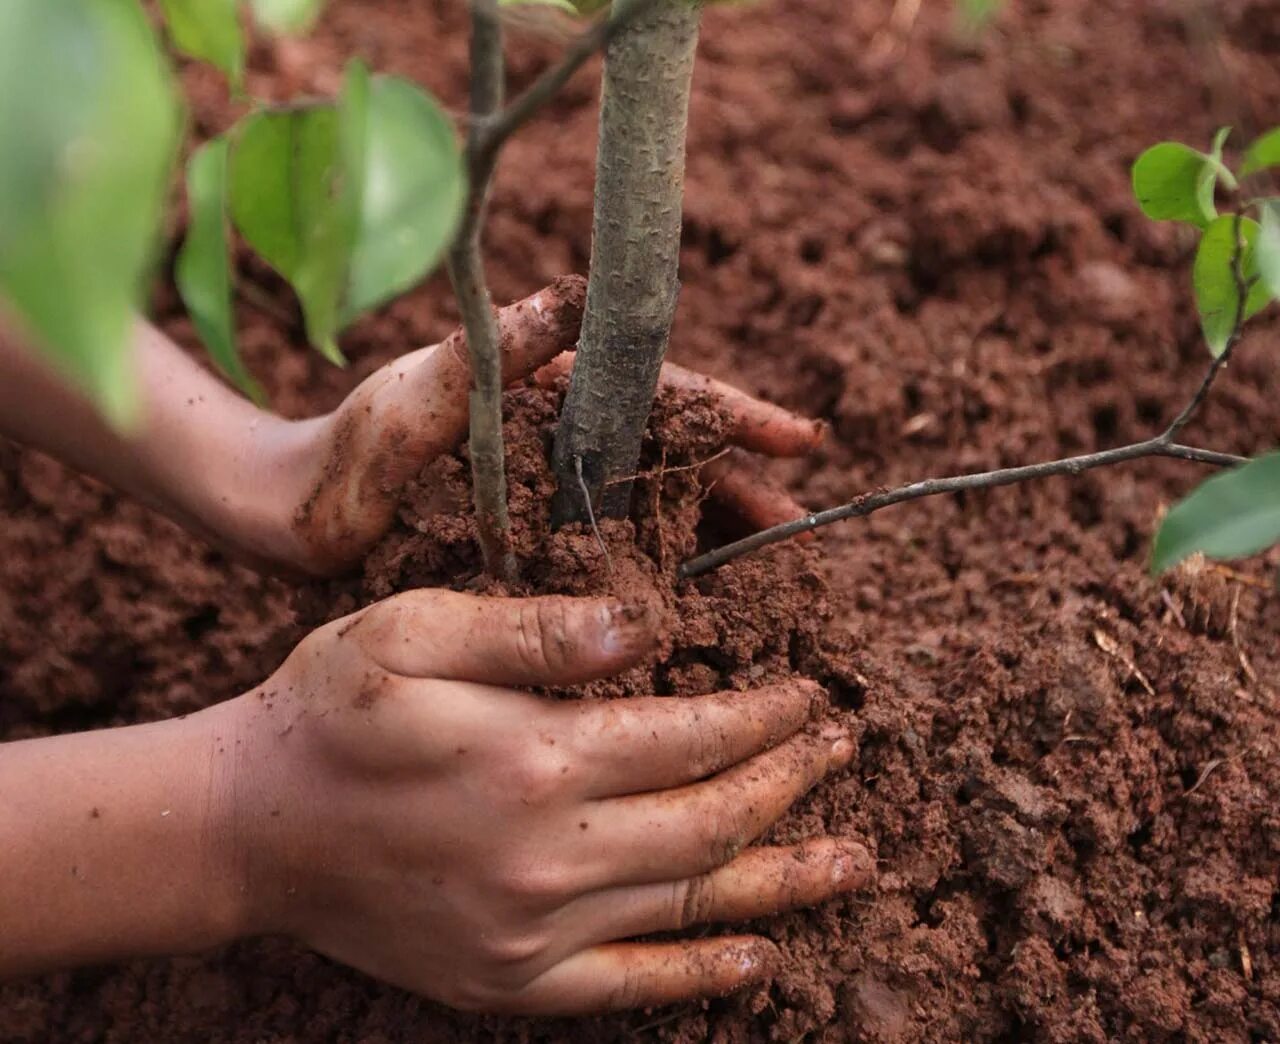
(421, 400)
(408, 413)
(507, 641)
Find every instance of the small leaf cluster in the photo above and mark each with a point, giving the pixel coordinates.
(1235, 274)
(352, 200)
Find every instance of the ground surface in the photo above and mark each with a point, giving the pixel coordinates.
(1070, 773)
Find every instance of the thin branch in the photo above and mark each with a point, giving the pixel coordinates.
(872, 502)
(466, 271)
(500, 127)
(1162, 445)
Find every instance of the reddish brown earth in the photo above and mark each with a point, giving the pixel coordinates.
(1068, 771)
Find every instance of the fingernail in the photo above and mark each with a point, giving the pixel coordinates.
(842, 746)
(627, 627)
(851, 866)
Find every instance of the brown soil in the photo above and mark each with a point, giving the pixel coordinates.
(1068, 771)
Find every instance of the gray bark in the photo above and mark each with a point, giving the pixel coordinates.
(633, 284)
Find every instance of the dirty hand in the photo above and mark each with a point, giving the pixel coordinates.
(344, 472)
(398, 807)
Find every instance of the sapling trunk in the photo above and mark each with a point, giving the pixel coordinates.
(466, 270)
(633, 284)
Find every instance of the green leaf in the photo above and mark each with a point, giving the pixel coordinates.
(1229, 516)
(975, 15)
(1170, 184)
(1213, 276)
(88, 130)
(287, 201)
(1262, 153)
(210, 31)
(563, 5)
(414, 189)
(1268, 247)
(352, 203)
(203, 270)
(286, 16)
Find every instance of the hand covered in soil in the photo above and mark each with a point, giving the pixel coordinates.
(398, 807)
(355, 461)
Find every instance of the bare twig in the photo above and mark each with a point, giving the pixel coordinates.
(1162, 445)
(466, 270)
(500, 127)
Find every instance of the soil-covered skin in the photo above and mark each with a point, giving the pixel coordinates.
(1068, 771)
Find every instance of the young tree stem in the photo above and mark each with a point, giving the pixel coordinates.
(466, 271)
(633, 284)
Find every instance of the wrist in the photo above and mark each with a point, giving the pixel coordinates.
(257, 497)
(253, 810)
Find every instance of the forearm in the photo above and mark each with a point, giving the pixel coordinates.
(114, 844)
(198, 453)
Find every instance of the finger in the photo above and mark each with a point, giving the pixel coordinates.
(424, 395)
(618, 976)
(757, 425)
(649, 743)
(408, 413)
(691, 830)
(760, 882)
(505, 641)
(752, 500)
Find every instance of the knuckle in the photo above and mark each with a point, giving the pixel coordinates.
(507, 951)
(710, 750)
(536, 884)
(728, 833)
(539, 778)
(629, 991)
(692, 901)
(542, 634)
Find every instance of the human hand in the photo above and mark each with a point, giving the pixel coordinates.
(401, 809)
(339, 477)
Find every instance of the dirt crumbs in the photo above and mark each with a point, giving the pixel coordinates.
(1069, 773)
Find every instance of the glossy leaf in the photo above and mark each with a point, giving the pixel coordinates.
(351, 203)
(413, 192)
(210, 31)
(287, 202)
(1229, 516)
(1268, 247)
(1170, 184)
(1262, 153)
(286, 16)
(203, 270)
(1214, 278)
(88, 129)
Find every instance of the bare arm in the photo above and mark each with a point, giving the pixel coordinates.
(109, 847)
(202, 454)
(314, 496)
